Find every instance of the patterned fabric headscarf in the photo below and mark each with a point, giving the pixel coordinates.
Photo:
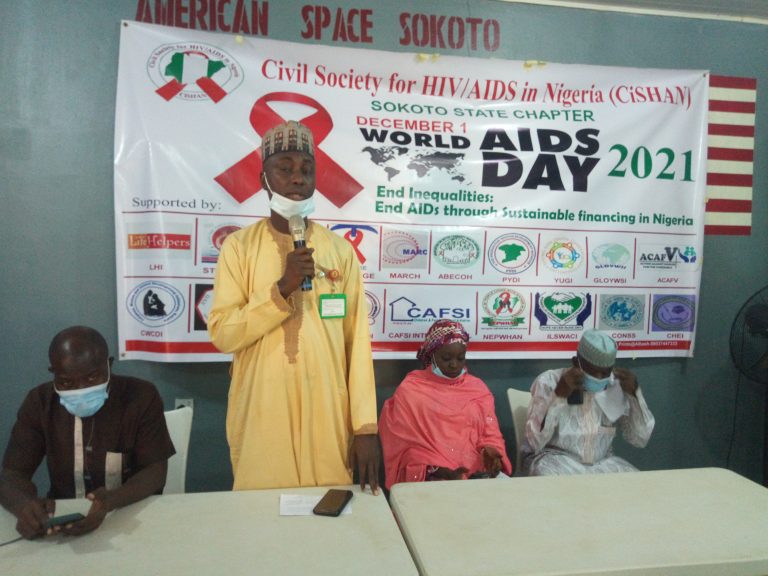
(441, 333)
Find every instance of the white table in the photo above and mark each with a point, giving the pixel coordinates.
(701, 522)
(218, 534)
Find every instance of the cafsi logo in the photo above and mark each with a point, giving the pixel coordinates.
(562, 255)
(193, 71)
(406, 310)
(512, 253)
(622, 312)
(456, 251)
(674, 313)
(155, 303)
(504, 308)
(563, 309)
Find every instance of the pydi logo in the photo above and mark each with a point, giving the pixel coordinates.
(456, 251)
(512, 253)
(504, 308)
(559, 310)
(562, 255)
(155, 303)
(193, 71)
(622, 312)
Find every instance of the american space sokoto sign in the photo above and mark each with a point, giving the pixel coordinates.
(527, 200)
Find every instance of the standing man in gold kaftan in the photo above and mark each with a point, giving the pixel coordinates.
(302, 401)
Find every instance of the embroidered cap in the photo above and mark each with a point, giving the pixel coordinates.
(597, 348)
(287, 137)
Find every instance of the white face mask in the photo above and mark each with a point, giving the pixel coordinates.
(286, 207)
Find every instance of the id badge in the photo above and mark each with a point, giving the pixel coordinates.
(333, 306)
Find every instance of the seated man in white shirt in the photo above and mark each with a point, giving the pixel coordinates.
(574, 413)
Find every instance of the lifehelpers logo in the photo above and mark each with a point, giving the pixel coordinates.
(193, 71)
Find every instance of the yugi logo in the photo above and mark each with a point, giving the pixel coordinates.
(504, 308)
(354, 235)
(562, 255)
(564, 309)
(193, 71)
(456, 251)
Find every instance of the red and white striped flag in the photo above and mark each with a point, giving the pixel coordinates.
(731, 145)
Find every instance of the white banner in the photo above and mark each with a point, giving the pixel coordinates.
(527, 200)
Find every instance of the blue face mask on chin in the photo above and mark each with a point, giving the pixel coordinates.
(84, 402)
(437, 372)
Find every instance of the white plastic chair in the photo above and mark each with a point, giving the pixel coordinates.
(518, 403)
(179, 424)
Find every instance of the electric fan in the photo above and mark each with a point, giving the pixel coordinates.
(749, 351)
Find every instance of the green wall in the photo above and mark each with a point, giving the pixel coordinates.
(57, 101)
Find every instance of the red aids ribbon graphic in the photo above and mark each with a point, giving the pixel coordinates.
(355, 241)
(241, 180)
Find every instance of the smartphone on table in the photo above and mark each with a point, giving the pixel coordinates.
(333, 502)
(63, 520)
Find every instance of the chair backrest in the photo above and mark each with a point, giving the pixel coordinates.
(179, 424)
(518, 403)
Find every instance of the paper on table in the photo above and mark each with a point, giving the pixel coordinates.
(298, 505)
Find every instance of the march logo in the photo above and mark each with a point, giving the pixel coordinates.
(558, 310)
(622, 312)
(504, 308)
(193, 71)
(456, 251)
(673, 313)
(562, 255)
(402, 249)
(154, 303)
(512, 253)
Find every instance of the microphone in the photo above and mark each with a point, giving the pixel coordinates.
(297, 227)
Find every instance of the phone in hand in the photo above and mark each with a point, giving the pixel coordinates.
(63, 520)
(576, 397)
(333, 502)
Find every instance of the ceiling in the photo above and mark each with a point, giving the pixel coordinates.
(754, 11)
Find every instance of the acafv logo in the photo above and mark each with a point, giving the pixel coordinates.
(668, 258)
(404, 309)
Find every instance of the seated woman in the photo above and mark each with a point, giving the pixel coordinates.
(440, 423)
